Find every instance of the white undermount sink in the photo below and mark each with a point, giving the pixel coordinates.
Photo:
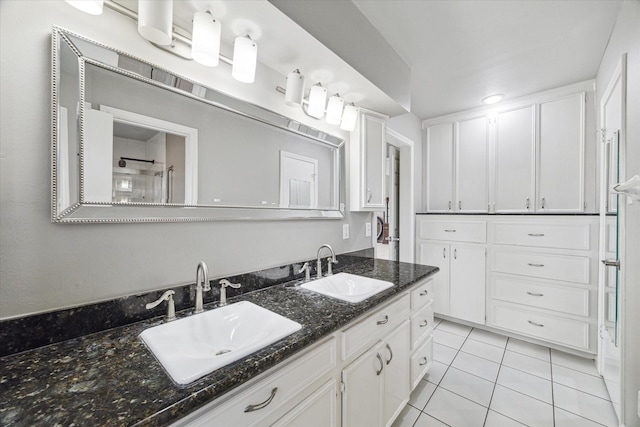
(197, 345)
(347, 287)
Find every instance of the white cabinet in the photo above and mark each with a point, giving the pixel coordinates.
(317, 410)
(439, 168)
(472, 167)
(561, 154)
(457, 166)
(367, 149)
(376, 384)
(514, 154)
(459, 286)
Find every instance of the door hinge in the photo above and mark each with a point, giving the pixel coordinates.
(343, 387)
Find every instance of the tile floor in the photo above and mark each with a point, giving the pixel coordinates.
(483, 379)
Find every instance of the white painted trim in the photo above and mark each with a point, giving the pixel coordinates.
(407, 193)
(190, 144)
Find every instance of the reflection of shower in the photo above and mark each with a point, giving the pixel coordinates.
(170, 184)
(122, 163)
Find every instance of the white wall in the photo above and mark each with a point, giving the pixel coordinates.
(46, 266)
(626, 39)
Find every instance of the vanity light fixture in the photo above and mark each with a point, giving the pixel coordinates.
(155, 21)
(205, 44)
(92, 7)
(334, 109)
(294, 91)
(492, 99)
(317, 100)
(245, 59)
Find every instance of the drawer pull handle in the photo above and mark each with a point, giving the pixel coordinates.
(264, 404)
(424, 293)
(536, 234)
(444, 252)
(383, 321)
(536, 324)
(390, 354)
(423, 361)
(535, 265)
(449, 231)
(533, 294)
(425, 323)
(381, 364)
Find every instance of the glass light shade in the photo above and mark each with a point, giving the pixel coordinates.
(317, 101)
(205, 44)
(295, 89)
(155, 20)
(245, 60)
(492, 99)
(349, 118)
(92, 7)
(334, 110)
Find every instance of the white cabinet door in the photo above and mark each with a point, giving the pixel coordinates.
(367, 163)
(362, 400)
(472, 188)
(317, 410)
(439, 164)
(561, 155)
(396, 372)
(515, 160)
(467, 291)
(437, 254)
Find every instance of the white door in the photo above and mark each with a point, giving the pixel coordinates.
(467, 287)
(439, 163)
(515, 160)
(561, 155)
(373, 134)
(362, 400)
(396, 371)
(472, 188)
(393, 203)
(98, 156)
(437, 254)
(298, 181)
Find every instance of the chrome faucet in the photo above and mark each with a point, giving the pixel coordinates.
(223, 290)
(201, 285)
(330, 260)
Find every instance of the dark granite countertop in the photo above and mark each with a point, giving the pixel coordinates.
(111, 379)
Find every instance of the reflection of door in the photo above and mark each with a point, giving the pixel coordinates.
(612, 109)
(393, 194)
(298, 181)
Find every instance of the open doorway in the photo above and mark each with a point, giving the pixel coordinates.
(394, 227)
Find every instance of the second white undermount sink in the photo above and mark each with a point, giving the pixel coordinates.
(195, 346)
(348, 287)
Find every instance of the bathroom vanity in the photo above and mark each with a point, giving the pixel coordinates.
(343, 353)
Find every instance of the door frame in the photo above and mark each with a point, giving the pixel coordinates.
(407, 213)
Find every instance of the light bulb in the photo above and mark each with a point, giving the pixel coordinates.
(205, 46)
(245, 60)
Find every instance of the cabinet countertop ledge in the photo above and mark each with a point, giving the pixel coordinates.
(111, 379)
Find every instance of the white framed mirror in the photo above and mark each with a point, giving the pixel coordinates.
(133, 142)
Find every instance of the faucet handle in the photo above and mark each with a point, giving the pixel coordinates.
(330, 261)
(171, 308)
(225, 283)
(307, 271)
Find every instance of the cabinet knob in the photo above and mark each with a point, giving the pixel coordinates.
(528, 203)
(424, 324)
(369, 195)
(459, 205)
(424, 293)
(543, 203)
(449, 204)
(423, 361)
(383, 321)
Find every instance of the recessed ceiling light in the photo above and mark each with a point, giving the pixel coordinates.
(492, 99)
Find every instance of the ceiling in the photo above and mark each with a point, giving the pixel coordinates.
(461, 51)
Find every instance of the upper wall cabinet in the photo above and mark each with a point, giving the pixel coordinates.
(561, 155)
(514, 160)
(439, 168)
(368, 154)
(523, 158)
(456, 166)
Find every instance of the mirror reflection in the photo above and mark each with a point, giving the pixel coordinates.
(155, 146)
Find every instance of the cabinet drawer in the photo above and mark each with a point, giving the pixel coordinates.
(559, 330)
(319, 409)
(456, 231)
(277, 389)
(562, 236)
(421, 360)
(421, 325)
(421, 294)
(547, 266)
(374, 326)
(535, 294)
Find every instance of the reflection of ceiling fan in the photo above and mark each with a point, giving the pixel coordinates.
(380, 229)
